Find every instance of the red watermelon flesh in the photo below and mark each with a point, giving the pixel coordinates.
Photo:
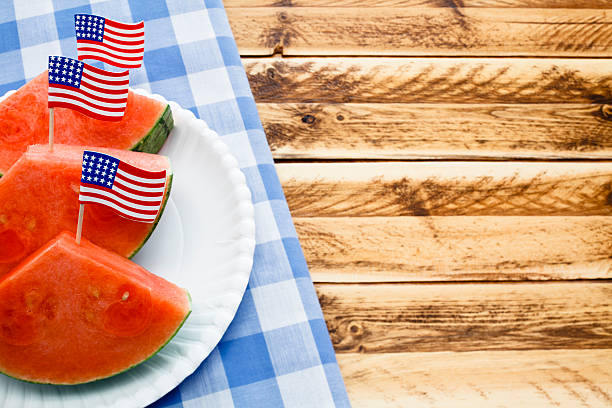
(39, 198)
(73, 313)
(24, 121)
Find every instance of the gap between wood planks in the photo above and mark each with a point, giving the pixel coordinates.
(317, 281)
(450, 159)
(584, 4)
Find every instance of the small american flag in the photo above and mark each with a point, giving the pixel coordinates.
(87, 89)
(102, 39)
(133, 193)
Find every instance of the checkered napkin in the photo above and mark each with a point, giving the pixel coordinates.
(277, 351)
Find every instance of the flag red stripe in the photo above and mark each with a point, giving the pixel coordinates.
(104, 90)
(109, 30)
(107, 73)
(160, 196)
(135, 50)
(140, 202)
(133, 191)
(116, 202)
(108, 61)
(128, 168)
(124, 42)
(88, 103)
(110, 54)
(83, 111)
(124, 26)
(122, 196)
(121, 214)
(104, 81)
(92, 96)
(138, 183)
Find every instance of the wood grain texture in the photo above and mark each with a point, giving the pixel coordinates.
(504, 379)
(325, 31)
(421, 249)
(437, 131)
(588, 4)
(386, 318)
(447, 188)
(430, 80)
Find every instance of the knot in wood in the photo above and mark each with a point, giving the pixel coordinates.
(283, 17)
(308, 119)
(355, 329)
(340, 117)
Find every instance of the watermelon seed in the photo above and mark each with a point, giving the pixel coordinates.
(31, 224)
(94, 291)
(125, 296)
(89, 315)
(32, 299)
(2, 218)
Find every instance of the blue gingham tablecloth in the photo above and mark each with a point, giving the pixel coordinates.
(277, 351)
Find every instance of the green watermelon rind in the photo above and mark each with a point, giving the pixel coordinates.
(161, 212)
(180, 326)
(153, 141)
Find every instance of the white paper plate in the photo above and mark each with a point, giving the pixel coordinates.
(204, 242)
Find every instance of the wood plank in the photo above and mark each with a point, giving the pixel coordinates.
(390, 318)
(421, 249)
(447, 188)
(437, 131)
(326, 31)
(542, 378)
(430, 80)
(588, 4)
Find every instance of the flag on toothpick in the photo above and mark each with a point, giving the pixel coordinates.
(92, 91)
(132, 192)
(102, 39)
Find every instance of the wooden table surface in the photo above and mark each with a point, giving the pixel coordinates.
(448, 167)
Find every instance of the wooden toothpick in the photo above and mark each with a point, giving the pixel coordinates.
(50, 129)
(80, 223)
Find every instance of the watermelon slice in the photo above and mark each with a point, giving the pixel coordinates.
(71, 314)
(24, 121)
(39, 198)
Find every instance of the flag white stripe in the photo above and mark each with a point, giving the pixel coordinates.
(140, 179)
(135, 196)
(86, 81)
(114, 43)
(102, 94)
(84, 106)
(102, 77)
(93, 54)
(61, 93)
(121, 200)
(103, 48)
(109, 36)
(124, 30)
(139, 188)
(89, 199)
